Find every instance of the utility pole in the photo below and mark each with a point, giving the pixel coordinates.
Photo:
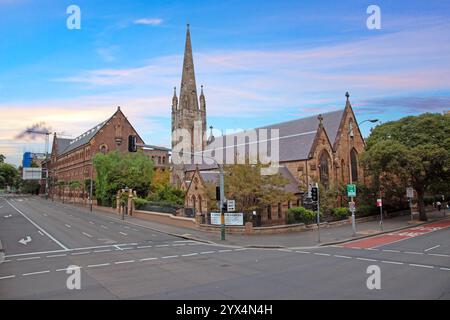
(222, 198)
(318, 212)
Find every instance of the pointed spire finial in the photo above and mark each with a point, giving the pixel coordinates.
(320, 117)
(347, 95)
(175, 91)
(118, 108)
(201, 89)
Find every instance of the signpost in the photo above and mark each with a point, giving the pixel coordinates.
(231, 218)
(380, 205)
(410, 195)
(351, 192)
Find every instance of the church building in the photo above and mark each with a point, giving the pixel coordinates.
(322, 148)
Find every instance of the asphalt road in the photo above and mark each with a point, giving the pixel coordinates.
(119, 260)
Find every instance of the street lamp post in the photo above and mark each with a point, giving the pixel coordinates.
(351, 136)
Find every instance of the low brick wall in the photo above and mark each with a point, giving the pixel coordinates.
(166, 218)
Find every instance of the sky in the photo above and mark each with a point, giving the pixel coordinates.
(261, 62)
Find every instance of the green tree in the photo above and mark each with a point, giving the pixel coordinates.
(9, 175)
(251, 190)
(2, 158)
(116, 171)
(413, 151)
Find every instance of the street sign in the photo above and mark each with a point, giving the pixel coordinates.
(410, 193)
(351, 190)
(231, 205)
(379, 203)
(352, 206)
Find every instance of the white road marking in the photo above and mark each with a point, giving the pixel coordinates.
(121, 262)
(447, 269)
(412, 252)
(80, 253)
(127, 248)
(345, 257)
(421, 266)
(389, 250)
(432, 248)
(30, 258)
(56, 255)
(141, 247)
(169, 257)
(161, 245)
(190, 254)
(91, 222)
(242, 249)
(98, 265)
(33, 273)
(178, 244)
(106, 250)
(225, 250)
(366, 259)
(391, 262)
(8, 277)
(65, 269)
(68, 226)
(123, 233)
(438, 255)
(207, 252)
(321, 254)
(104, 227)
(148, 259)
(42, 230)
(303, 252)
(25, 241)
(87, 234)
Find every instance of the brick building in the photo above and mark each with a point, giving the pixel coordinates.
(71, 159)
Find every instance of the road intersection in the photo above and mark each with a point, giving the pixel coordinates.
(122, 260)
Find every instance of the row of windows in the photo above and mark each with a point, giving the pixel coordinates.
(159, 159)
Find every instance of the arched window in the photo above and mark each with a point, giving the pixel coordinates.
(354, 165)
(324, 170)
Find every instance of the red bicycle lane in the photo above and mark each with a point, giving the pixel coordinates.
(399, 235)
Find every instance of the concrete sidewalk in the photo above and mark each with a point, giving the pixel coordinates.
(302, 239)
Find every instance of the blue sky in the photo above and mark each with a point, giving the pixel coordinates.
(261, 62)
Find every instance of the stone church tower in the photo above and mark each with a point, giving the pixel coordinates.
(188, 112)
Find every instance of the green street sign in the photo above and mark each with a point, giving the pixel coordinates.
(351, 190)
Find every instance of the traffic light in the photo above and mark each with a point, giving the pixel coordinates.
(217, 193)
(314, 194)
(132, 144)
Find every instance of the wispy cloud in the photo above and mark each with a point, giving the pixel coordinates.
(407, 104)
(148, 21)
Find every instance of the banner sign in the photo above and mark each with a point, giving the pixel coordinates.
(231, 218)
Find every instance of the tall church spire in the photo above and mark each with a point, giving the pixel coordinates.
(188, 94)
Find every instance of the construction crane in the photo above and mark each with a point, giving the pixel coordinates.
(47, 135)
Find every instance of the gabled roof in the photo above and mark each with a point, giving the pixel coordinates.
(296, 137)
(83, 138)
(62, 144)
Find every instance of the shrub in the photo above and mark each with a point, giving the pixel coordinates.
(301, 214)
(290, 218)
(340, 213)
(139, 202)
(365, 210)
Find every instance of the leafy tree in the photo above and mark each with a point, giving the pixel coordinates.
(2, 158)
(116, 171)
(413, 151)
(160, 179)
(251, 190)
(167, 194)
(9, 175)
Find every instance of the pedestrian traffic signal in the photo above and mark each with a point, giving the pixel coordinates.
(132, 144)
(314, 194)
(217, 193)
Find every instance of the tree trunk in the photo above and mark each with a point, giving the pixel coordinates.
(421, 204)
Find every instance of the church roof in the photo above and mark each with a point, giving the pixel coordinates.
(296, 137)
